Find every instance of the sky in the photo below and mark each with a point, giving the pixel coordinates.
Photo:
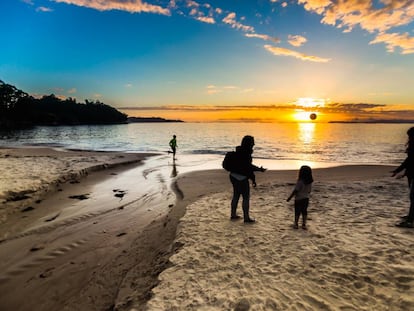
(228, 60)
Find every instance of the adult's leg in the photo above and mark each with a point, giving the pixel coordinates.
(410, 217)
(236, 195)
(245, 192)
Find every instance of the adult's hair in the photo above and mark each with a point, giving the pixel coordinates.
(247, 142)
(410, 142)
(305, 174)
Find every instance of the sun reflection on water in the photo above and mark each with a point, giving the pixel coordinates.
(306, 132)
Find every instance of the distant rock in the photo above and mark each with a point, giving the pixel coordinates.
(147, 120)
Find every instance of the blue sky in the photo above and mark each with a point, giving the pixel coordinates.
(130, 53)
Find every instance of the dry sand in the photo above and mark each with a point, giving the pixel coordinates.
(351, 257)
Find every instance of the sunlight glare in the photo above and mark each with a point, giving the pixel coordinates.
(302, 116)
(309, 102)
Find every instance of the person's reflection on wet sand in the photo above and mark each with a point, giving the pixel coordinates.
(174, 171)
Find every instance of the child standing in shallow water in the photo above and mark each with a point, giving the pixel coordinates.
(301, 192)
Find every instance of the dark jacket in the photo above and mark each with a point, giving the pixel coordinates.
(408, 165)
(245, 166)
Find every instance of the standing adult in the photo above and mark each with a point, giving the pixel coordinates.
(240, 174)
(408, 166)
(173, 145)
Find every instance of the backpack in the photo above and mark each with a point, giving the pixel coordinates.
(230, 162)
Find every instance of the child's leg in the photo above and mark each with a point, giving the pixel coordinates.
(305, 212)
(297, 214)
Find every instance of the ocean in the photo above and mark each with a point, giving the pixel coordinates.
(278, 145)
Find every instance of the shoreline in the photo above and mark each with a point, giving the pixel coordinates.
(122, 258)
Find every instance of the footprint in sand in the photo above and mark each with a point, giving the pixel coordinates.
(52, 218)
(119, 193)
(79, 196)
(27, 209)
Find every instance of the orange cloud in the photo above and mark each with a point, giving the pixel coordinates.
(355, 112)
(351, 13)
(230, 19)
(199, 15)
(297, 40)
(286, 52)
(393, 40)
(134, 6)
(205, 19)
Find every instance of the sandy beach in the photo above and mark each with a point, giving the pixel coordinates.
(179, 250)
(352, 257)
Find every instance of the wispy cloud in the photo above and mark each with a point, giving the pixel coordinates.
(352, 107)
(348, 14)
(263, 37)
(44, 9)
(297, 40)
(230, 19)
(214, 89)
(206, 19)
(286, 52)
(394, 40)
(132, 6)
(196, 11)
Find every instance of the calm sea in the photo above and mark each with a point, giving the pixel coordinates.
(306, 142)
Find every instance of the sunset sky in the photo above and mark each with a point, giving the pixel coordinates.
(250, 60)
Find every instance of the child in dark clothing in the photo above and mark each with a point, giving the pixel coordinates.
(301, 192)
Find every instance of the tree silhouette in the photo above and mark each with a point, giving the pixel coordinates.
(19, 109)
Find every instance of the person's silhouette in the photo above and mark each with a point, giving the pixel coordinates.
(239, 177)
(407, 166)
(173, 145)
